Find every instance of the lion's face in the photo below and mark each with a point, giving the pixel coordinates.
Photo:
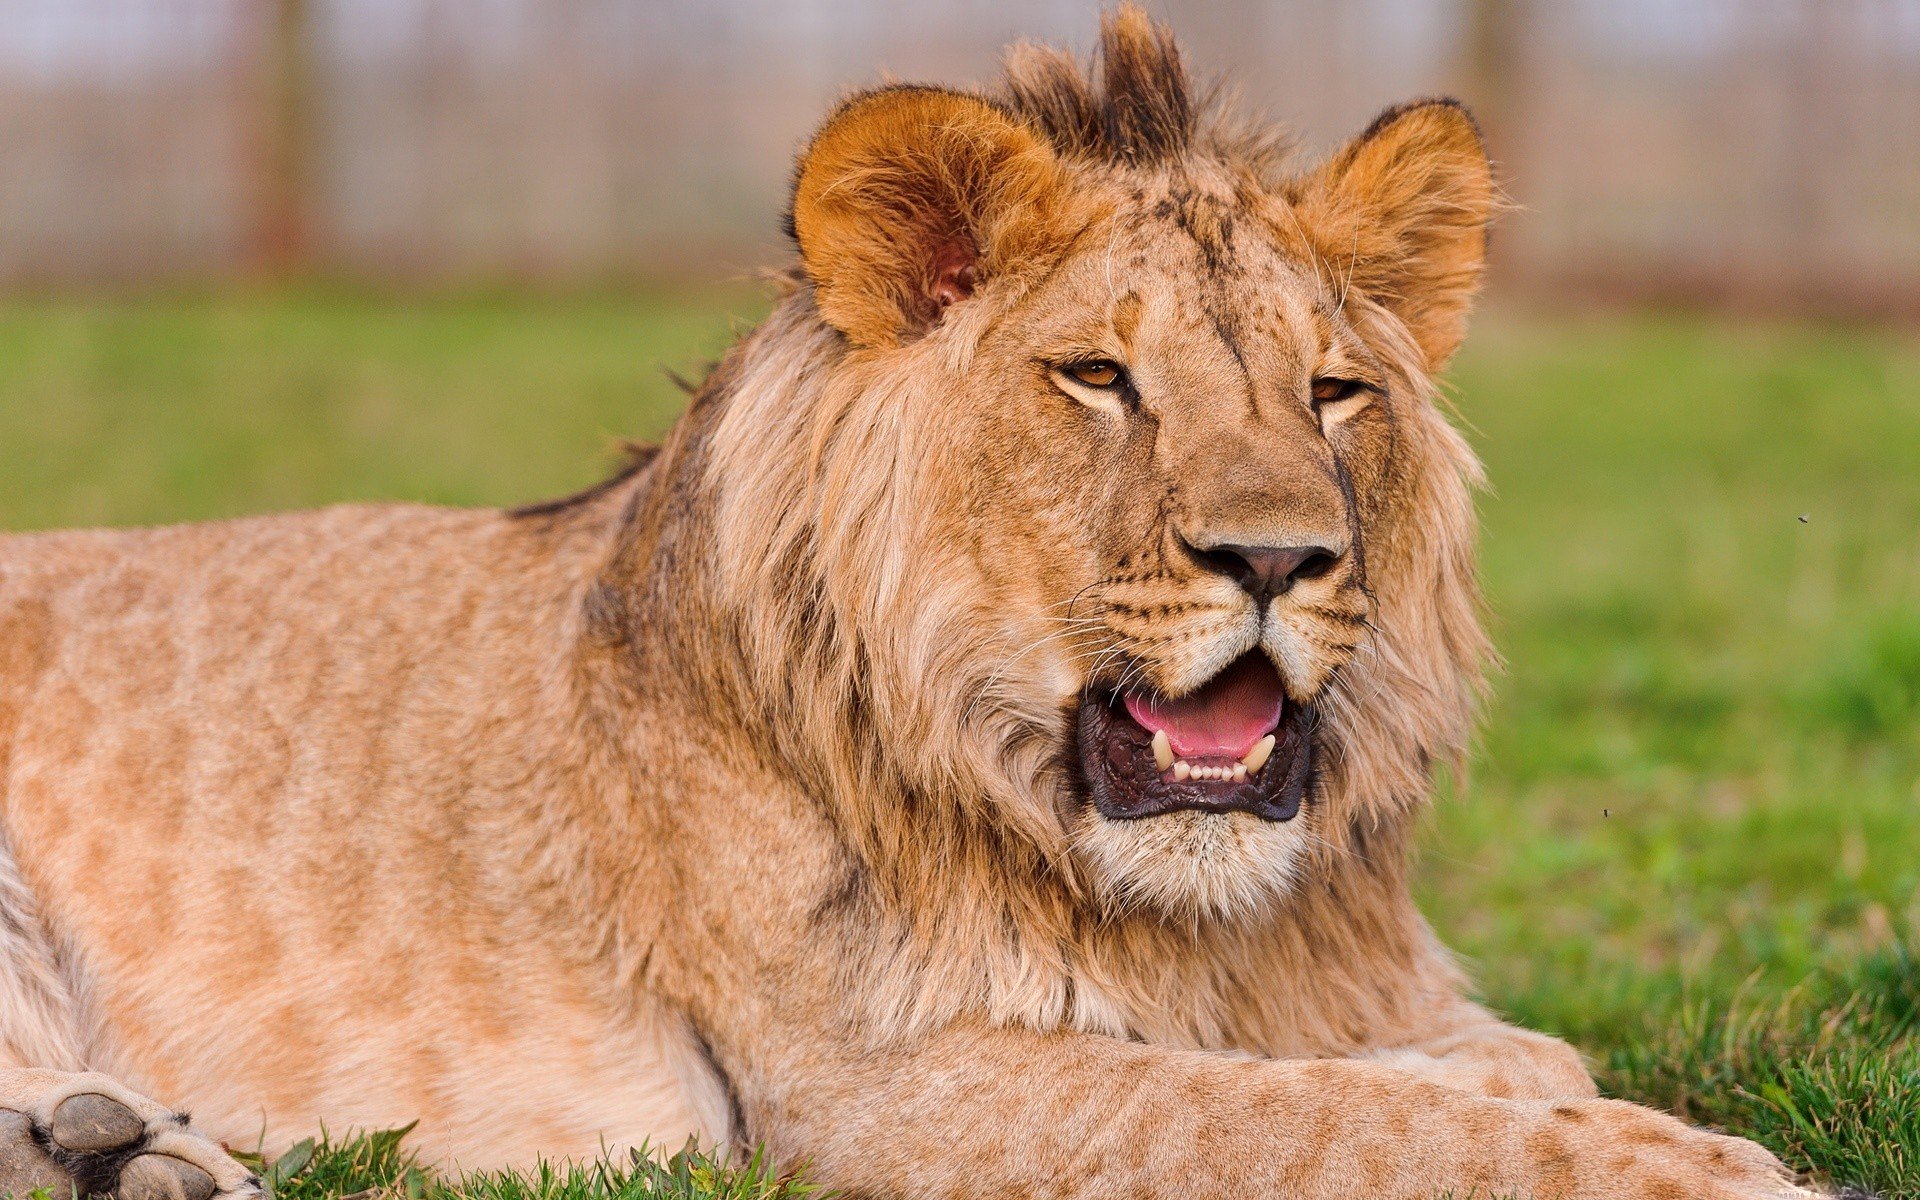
(1157, 486)
(1146, 437)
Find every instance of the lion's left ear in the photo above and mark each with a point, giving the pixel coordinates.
(909, 198)
(1403, 209)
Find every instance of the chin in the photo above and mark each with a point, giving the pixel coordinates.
(1193, 805)
(1191, 865)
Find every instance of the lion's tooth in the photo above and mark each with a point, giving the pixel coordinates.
(1162, 749)
(1182, 771)
(1257, 757)
(1239, 772)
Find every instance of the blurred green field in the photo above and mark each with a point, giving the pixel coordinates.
(1688, 841)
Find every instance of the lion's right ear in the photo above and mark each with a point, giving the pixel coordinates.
(910, 197)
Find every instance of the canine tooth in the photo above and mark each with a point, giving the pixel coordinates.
(1162, 749)
(1182, 771)
(1239, 772)
(1257, 757)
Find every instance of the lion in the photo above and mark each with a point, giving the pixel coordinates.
(974, 754)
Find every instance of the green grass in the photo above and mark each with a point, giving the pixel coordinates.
(115, 413)
(1688, 842)
(377, 1166)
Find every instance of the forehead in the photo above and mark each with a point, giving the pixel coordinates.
(1175, 258)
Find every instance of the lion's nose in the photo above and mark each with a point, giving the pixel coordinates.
(1266, 571)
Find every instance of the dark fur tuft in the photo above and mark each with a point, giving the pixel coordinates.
(1134, 104)
(637, 458)
(1149, 110)
(1047, 87)
(1142, 109)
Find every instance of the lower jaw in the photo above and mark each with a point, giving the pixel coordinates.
(1124, 783)
(1216, 868)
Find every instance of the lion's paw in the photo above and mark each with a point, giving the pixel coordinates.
(88, 1134)
(1629, 1153)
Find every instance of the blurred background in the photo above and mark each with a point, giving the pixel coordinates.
(265, 254)
(1753, 151)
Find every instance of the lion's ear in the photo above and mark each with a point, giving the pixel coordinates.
(910, 197)
(1402, 210)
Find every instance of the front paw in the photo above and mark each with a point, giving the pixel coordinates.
(1612, 1150)
(89, 1135)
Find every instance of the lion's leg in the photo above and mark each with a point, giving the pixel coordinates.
(39, 1016)
(1476, 1052)
(71, 1131)
(80, 1132)
(972, 1112)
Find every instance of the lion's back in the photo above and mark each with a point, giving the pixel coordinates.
(274, 769)
(226, 662)
(98, 627)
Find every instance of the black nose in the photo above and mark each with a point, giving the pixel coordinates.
(1266, 571)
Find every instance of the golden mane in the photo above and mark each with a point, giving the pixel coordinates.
(849, 629)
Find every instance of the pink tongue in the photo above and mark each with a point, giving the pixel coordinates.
(1225, 718)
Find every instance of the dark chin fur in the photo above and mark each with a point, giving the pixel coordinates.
(1115, 761)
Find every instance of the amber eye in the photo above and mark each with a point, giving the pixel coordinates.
(1096, 373)
(1328, 391)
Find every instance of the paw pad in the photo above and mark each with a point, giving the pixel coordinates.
(88, 1135)
(163, 1177)
(91, 1123)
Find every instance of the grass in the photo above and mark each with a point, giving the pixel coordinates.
(377, 1166)
(1687, 842)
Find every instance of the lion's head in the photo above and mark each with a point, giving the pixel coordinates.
(1089, 494)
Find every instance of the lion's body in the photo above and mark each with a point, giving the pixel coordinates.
(287, 792)
(790, 789)
(271, 783)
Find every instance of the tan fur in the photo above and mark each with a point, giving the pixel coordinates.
(734, 799)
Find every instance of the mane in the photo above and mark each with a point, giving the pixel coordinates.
(809, 464)
(788, 522)
(1133, 104)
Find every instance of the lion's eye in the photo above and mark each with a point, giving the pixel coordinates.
(1330, 391)
(1098, 373)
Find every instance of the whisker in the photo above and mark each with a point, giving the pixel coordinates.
(1326, 843)
(993, 677)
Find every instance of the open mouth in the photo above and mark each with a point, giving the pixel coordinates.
(1235, 744)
